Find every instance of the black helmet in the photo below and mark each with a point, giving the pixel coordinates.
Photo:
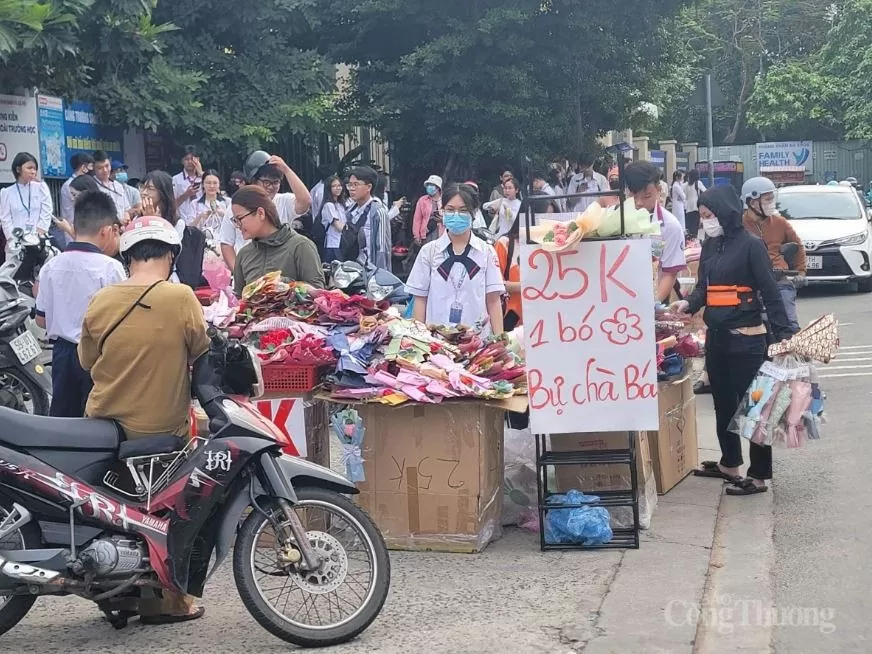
(256, 160)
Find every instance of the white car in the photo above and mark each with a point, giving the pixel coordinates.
(833, 223)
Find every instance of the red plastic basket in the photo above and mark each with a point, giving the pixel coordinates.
(289, 378)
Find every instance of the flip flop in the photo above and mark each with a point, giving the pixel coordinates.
(711, 469)
(746, 487)
(172, 619)
(701, 388)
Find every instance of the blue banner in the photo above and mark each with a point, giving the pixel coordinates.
(658, 158)
(84, 134)
(52, 144)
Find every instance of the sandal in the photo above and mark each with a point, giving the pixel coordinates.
(701, 388)
(711, 469)
(172, 619)
(746, 487)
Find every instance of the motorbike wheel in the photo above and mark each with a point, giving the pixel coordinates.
(17, 389)
(14, 608)
(276, 596)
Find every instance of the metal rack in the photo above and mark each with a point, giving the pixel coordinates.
(546, 459)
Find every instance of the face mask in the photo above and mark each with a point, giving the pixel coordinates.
(712, 228)
(769, 209)
(121, 177)
(457, 222)
(431, 189)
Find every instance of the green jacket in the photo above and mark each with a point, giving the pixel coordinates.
(286, 250)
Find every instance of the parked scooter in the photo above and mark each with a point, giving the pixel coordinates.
(29, 253)
(378, 284)
(25, 385)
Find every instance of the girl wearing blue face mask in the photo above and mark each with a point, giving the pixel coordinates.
(456, 278)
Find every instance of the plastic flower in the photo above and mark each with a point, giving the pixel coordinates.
(623, 327)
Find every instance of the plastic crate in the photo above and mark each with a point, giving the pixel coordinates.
(289, 378)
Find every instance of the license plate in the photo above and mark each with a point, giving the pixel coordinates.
(26, 347)
(814, 263)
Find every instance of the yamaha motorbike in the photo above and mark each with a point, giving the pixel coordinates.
(25, 384)
(29, 253)
(85, 512)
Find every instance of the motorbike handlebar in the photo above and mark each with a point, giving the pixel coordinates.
(217, 338)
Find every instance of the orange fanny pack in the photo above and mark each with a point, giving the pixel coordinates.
(728, 296)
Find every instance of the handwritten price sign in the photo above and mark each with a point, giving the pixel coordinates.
(589, 329)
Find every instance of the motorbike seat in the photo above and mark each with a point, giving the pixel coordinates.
(152, 446)
(39, 432)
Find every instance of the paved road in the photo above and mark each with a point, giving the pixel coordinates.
(823, 496)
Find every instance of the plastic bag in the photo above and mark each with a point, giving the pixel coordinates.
(519, 485)
(777, 407)
(585, 525)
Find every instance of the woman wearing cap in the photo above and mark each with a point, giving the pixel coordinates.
(127, 328)
(427, 223)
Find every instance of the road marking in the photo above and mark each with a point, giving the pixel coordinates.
(854, 347)
(840, 360)
(846, 374)
(828, 368)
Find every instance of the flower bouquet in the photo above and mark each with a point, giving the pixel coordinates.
(556, 235)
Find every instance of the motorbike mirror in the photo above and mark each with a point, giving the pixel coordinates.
(17, 232)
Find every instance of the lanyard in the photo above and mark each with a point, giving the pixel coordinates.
(111, 189)
(29, 204)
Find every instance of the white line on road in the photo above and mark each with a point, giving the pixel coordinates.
(846, 374)
(840, 360)
(828, 368)
(855, 347)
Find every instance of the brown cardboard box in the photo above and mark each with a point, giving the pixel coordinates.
(674, 447)
(434, 474)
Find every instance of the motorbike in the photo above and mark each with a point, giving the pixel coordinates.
(29, 253)
(377, 284)
(25, 384)
(85, 512)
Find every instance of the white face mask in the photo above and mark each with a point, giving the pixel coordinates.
(769, 209)
(712, 228)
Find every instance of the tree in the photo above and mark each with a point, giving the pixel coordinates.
(39, 28)
(491, 80)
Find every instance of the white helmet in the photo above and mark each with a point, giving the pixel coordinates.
(150, 228)
(757, 187)
(845, 182)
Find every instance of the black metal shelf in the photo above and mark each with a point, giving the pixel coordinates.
(622, 538)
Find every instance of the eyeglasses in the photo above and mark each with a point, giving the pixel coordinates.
(237, 220)
(270, 183)
(356, 184)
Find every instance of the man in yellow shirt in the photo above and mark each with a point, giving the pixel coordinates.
(138, 340)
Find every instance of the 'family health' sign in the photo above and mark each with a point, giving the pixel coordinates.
(785, 154)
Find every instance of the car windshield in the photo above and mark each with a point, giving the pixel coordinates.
(824, 206)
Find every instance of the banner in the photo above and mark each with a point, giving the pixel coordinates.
(658, 158)
(52, 144)
(84, 134)
(289, 415)
(785, 154)
(18, 132)
(589, 332)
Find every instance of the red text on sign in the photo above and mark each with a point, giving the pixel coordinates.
(599, 385)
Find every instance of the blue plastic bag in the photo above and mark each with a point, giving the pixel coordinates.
(588, 525)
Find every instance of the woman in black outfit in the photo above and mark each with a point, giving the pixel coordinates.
(734, 273)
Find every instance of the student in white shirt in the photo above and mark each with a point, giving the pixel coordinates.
(82, 164)
(207, 212)
(456, 278)
(267, 171)
(679, 198)
(111, 187)
(505, 209)
(66, 285)
(119, 174)
(643, 185)
(186, 184)
(27, 203)
(586, 180)
(333, 216)
(693, 189)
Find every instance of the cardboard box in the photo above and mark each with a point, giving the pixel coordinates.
(434, 474)
(674, 448)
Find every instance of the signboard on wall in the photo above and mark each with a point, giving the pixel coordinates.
(682, 161)
(52, 144)
(589, 332)
(85, 134)
(19, 132)
(658, 158)
(783, 154)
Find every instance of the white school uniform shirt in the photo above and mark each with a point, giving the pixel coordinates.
(330, 212)
(212, 224)
(506, 215)
(67, 202)
(118, 192)
(27, 206)
(581, 184)
(668, 247)
(471, 293)
(181, 182)
(229, 234)
(67, 283)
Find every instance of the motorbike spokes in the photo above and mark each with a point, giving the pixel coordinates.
(337, 589)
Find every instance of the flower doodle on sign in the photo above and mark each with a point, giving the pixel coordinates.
(623, 327)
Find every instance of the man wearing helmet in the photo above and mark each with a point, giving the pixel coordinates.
(129, 327)
(763, 220)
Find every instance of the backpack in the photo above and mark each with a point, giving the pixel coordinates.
(352, 238)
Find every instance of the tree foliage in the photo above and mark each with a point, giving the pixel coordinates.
(491, 80)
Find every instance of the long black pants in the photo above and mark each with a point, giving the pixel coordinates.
(732, 361)
(71, 385)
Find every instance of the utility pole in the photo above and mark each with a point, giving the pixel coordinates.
(710, 129)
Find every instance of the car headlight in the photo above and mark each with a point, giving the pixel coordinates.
(854, 239)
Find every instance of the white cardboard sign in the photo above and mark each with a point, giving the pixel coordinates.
(289, 415)
(589, 332)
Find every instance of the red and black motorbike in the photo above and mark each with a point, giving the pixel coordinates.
(87, 513)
